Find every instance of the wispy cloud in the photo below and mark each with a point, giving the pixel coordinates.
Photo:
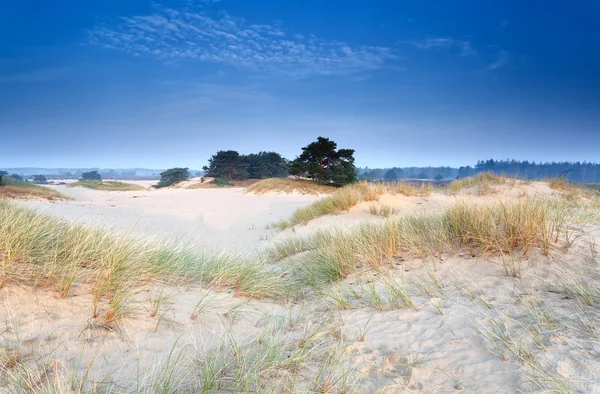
(463, 46)
(173, 35)
(502, 60)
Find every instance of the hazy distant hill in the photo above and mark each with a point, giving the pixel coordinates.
(107, 173)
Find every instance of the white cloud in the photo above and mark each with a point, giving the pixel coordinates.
(171, 35)
(465, 48)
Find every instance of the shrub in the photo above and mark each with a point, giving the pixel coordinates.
(221, 183)
(40, 179)
(91, 176)
(172, 176)
(16, 177)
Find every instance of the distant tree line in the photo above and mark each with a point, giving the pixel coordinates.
(396, 173)
(582, 172)
(573, 171)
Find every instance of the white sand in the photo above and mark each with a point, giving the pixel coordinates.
(226, 218)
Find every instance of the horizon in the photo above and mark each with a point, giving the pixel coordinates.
(168, 84)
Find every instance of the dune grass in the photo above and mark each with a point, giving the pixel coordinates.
(42, 251)
(482, 182)
(289, 185)
(504, 229)
(349, 196)
(213, 184)
(12, 188)
(107, 185)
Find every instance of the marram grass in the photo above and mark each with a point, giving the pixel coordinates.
(349, 196)
(12, 188)
(290, 185)
(496, 229)
(43, 251)
(107, 185)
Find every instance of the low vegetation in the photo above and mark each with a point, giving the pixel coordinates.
(212, 184)
(509, 230)
(349, 196)
(482, 182)
(290, 185)
(42, 251)
(106, 185)
(12, 188)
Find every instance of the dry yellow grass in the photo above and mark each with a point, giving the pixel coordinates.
(43, 251)
(502, 229)
(106, 185)
(290, 185)
(481, 181)
(348, 196)
(11, 188)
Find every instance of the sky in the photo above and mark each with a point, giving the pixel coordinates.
(161, 84)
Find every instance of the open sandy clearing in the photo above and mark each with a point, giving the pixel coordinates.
(226, 218)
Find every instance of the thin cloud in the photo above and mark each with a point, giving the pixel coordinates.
(173, 35)
(502, 60)
(464, 47)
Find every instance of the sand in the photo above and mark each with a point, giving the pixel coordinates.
(440, 345)
(226, 218)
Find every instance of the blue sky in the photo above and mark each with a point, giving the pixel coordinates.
(161, 84)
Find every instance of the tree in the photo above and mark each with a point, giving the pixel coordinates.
(91, 176)
(16, 177)
(266, 165)
(39, 179)
(322, 162)
(422, 175)
(2, 173)
(390, 176)
(172, 176)
(227, 165)
(439, 177)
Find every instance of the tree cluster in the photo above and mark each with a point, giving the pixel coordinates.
(230, 165)
(91, 176)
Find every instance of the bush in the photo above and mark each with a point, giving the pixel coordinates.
(91, 176)
(221, 182)
(39, 179)
(172, 176)
(439, 177)
(16, 177)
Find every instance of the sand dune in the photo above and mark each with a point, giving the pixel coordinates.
(468, 326)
